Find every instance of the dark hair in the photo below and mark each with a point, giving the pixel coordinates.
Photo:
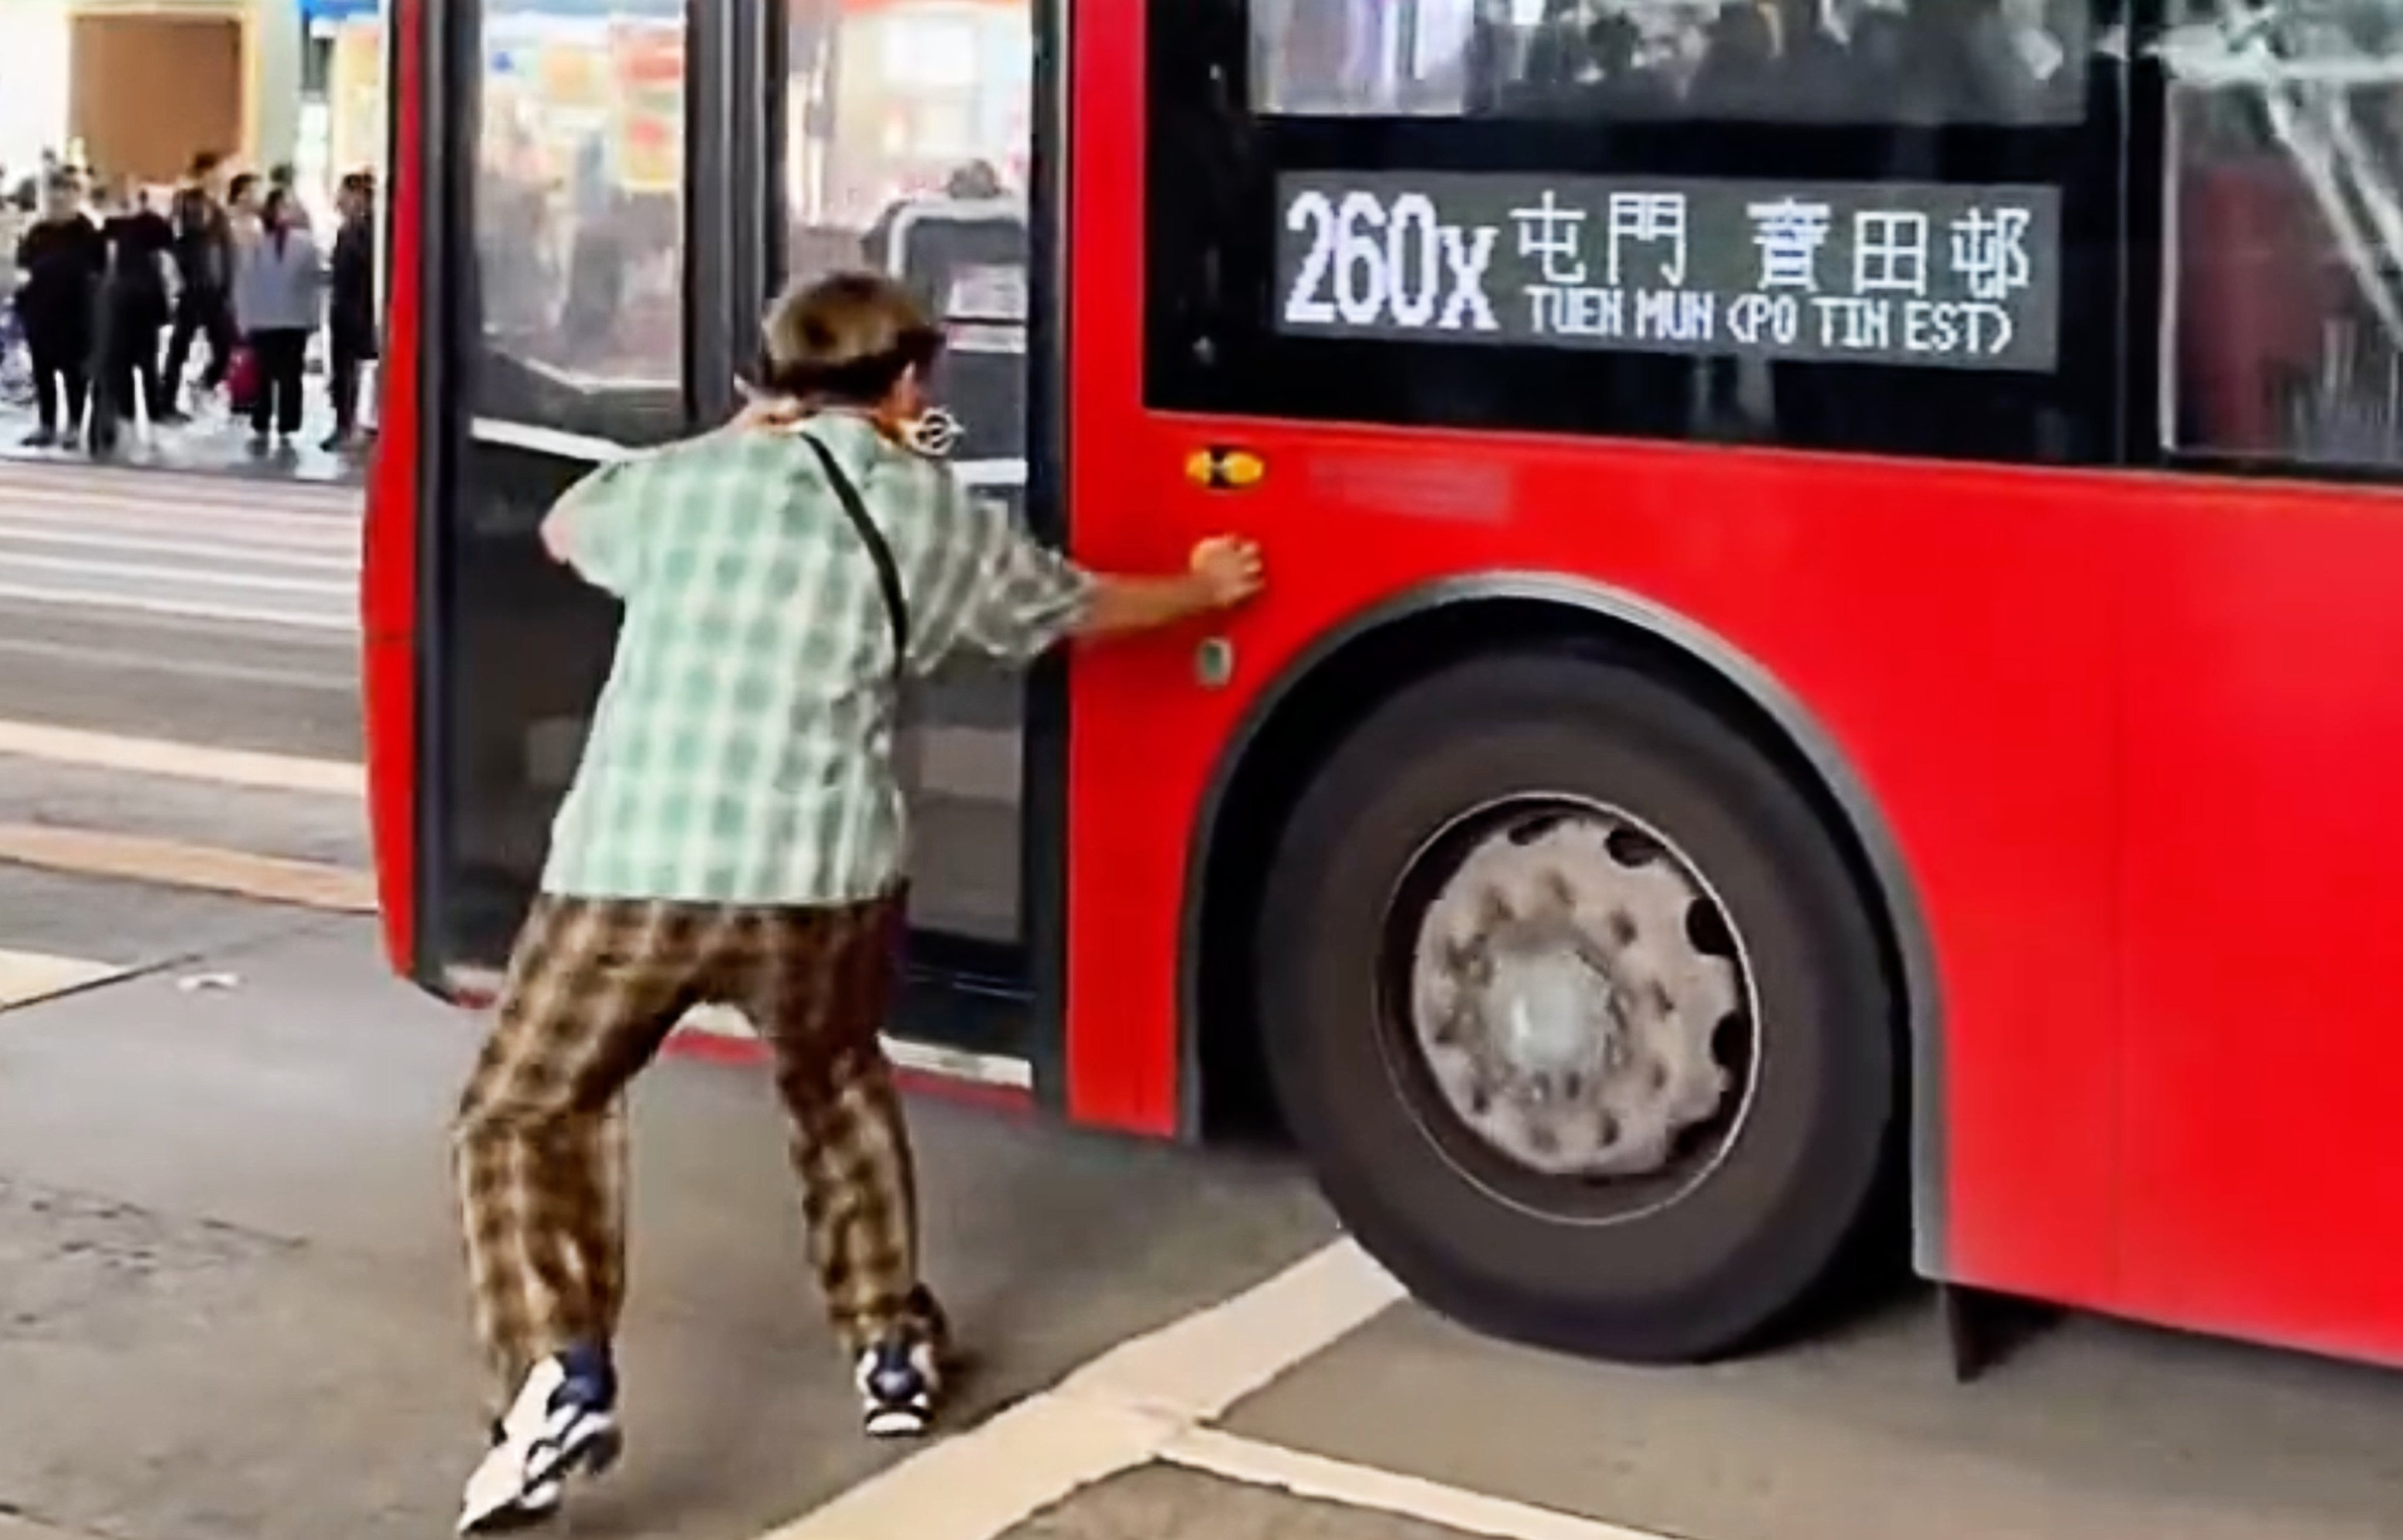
(847, 339)
(281, 174)
(206, 162)
(270, 213)
(359, 181)
(975, 180)
(243, 182)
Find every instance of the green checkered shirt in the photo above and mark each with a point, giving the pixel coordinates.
(742, 750)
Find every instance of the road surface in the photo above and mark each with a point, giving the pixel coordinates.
(227, 1288)
(203, 609)
(223, 611)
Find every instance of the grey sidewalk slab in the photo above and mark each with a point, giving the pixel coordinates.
(130, 924)
(321, 827)
(14, 1527)
(1164, 1503)
(2095, 1430)
(229, 1302)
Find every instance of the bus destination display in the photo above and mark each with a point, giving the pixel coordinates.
(1883, 272)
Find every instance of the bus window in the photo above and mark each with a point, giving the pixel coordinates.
(1390, 222)
(2284, 192)
(571, 340)
(1995, 62)
(909, 132)
(579, 219)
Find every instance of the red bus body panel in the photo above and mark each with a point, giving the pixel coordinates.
(2130, 734)
(2132, 737)
(388, 590)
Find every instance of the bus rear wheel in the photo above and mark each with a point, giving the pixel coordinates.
(1572, 1003)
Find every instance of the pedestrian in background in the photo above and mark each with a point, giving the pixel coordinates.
(745, 844)
(351, 326)
(133, 310)
(243, 206)
(13, 224)
(204, 261)
(278, 283)
(282, 177)
(243, 227)
(59, 262)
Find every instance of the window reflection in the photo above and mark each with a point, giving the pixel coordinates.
(900, 104)
(1831, 60)
(911, 131)
(579, 215)
(2286, 260)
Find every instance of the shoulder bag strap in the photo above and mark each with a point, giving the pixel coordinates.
(888, 570)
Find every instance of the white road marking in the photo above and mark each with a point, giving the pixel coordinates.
(97, 486)
(182, 549)
(1121, 1411)
(984, 1484)
(331, 527)
(1256, 1463)
(138, 569)
(181, 761)
(149, 486)
(1193, 1369)
(346, 681)
(15, 532)
(195, 609)
(26, 977)
(1150, 1401)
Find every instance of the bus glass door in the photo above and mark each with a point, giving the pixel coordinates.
(564, 220)
(906, 141)
(613, 170)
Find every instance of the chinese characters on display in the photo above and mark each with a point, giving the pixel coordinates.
(1943, 276)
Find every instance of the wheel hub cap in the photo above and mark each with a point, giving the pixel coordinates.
(1562, 1004)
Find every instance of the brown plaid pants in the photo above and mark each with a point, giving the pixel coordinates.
(593, 989)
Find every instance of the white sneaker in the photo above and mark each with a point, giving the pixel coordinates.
(563, 1420)
(898, 1383)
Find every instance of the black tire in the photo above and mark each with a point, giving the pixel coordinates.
(1720, 1263)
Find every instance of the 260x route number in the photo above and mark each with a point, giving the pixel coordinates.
(1368, 265)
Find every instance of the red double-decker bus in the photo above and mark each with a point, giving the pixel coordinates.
(1834, 615)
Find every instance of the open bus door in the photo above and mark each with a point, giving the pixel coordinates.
(594, 201)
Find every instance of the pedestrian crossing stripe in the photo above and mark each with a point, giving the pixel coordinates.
(26, 977)
(185, 552)
(168, 490)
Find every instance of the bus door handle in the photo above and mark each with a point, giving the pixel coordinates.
(1221, 469)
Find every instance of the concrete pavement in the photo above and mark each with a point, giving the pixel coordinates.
(228, 1293)
(200, 609)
